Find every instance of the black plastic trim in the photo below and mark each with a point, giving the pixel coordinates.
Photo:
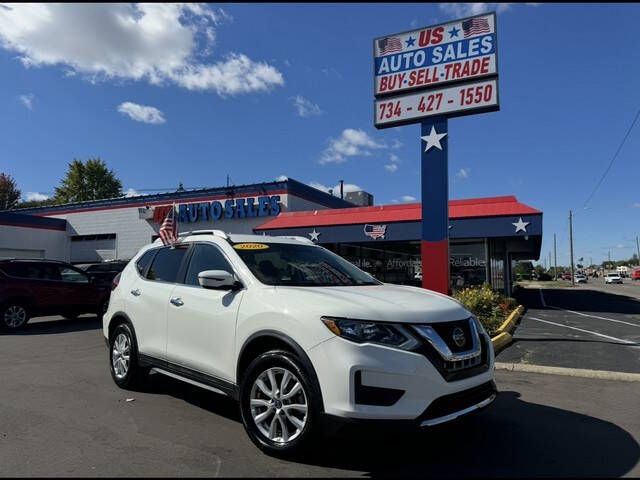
(379, 396)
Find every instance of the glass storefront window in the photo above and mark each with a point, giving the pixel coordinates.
(467, 264)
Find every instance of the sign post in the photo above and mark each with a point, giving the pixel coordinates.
(428, 76)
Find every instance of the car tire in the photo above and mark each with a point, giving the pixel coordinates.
(281, 423)
(123, 357)
(14, 315)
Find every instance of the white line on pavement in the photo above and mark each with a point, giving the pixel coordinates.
(620, 340)
(544, 304)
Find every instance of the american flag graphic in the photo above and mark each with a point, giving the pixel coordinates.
(474, 26)
(375, 231)
(169, 229)
(389, 44)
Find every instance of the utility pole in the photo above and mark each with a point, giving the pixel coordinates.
(571, 245)
(555, 258)
(638, 249)
(549, 259)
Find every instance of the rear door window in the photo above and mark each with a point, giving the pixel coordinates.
(166, 264)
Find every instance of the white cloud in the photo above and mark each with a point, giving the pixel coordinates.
(31, 196)
(159, 43)
(395, 143)
(131, 192)
(405, 199)
(636, 205)
(141, 113)
(348, 187)
(350, 143)
(282, 178)
(463, 173)
(470, 9)
(305, 107)
(393, 166)
(27, 100)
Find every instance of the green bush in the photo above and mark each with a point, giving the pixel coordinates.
(489, 306)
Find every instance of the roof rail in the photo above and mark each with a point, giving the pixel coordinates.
(217, 233)
(297, 237)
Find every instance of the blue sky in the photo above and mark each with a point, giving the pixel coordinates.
(169, 94)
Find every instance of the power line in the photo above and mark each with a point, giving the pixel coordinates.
(612, 160)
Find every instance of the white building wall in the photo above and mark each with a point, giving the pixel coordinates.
(54, 243)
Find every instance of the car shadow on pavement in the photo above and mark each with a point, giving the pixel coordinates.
(581, 300)
(51, 325)
(512, 438)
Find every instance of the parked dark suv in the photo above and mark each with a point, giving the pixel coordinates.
(32, 288)
(104, 272)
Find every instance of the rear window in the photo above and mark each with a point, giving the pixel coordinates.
(144, 261)
(166, 264)
(14, 269)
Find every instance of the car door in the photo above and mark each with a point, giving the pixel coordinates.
(148, 298)
(80, 295)
(202, 321)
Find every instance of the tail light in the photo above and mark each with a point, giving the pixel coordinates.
(115, 281)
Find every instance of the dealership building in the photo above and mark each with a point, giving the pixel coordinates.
(487, 235)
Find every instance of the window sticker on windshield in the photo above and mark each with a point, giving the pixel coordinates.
(250, 246)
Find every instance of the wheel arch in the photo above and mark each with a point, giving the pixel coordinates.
(265, 340)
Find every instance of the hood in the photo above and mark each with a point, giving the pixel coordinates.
(387, 302)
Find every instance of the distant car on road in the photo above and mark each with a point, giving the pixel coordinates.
(635, 274)
(566, 276)
(580, 278)
(33, 288)
(104, 272)
(613, 278)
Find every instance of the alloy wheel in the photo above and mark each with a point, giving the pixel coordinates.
(15, 316)
(279, 405)
(120, 355)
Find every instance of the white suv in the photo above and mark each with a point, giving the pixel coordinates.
(296, 334)
(612, 278)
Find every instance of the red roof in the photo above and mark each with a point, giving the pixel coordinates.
(407, 212)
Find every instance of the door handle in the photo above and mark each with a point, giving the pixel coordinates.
(177, 301)
(136, 292)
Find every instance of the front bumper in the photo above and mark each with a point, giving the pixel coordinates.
(406, 384)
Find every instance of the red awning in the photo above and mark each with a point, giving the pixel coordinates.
(408, 212)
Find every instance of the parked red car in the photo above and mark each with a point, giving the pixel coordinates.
(566, 276)
(635, 274)
(33, 288)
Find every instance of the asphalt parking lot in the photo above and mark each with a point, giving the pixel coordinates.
(61, 415)
(592, 326)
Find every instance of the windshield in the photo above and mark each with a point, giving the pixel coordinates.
(300, 265)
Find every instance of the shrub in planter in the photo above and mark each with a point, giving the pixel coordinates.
(489, 306)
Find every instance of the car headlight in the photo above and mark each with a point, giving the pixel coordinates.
(363, 331)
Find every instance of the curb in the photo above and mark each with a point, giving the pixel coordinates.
(503, 336)
(569, 372)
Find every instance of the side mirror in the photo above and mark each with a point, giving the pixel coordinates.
(216, 279)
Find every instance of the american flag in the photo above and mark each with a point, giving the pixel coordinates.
(474, 26)
(169, 229)
(389, 44)
(375, 231)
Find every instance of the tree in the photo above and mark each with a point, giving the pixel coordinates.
(91, 180)
(9, 193)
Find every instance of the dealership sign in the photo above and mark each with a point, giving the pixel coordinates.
(451, 52)
(447, 70)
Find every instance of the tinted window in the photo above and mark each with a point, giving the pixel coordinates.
(48, 271)
(166, 265)
(14, 269)
(70, 275)
(205, 257)
(145, 261)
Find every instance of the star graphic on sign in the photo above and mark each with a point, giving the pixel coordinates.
(520, 225)
(314, 235)
(433, 139)
(410, 42)
(454, 32)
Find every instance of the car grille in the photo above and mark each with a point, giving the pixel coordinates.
(455, 402)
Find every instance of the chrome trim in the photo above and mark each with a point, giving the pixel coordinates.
(187, 380)
(430, 335)
(452, 416)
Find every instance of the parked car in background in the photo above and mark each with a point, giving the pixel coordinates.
(579, 278)
(104, 272)
(566, 276)
(612, 278)
(33, 288)
(296, 334)
(635, 274)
